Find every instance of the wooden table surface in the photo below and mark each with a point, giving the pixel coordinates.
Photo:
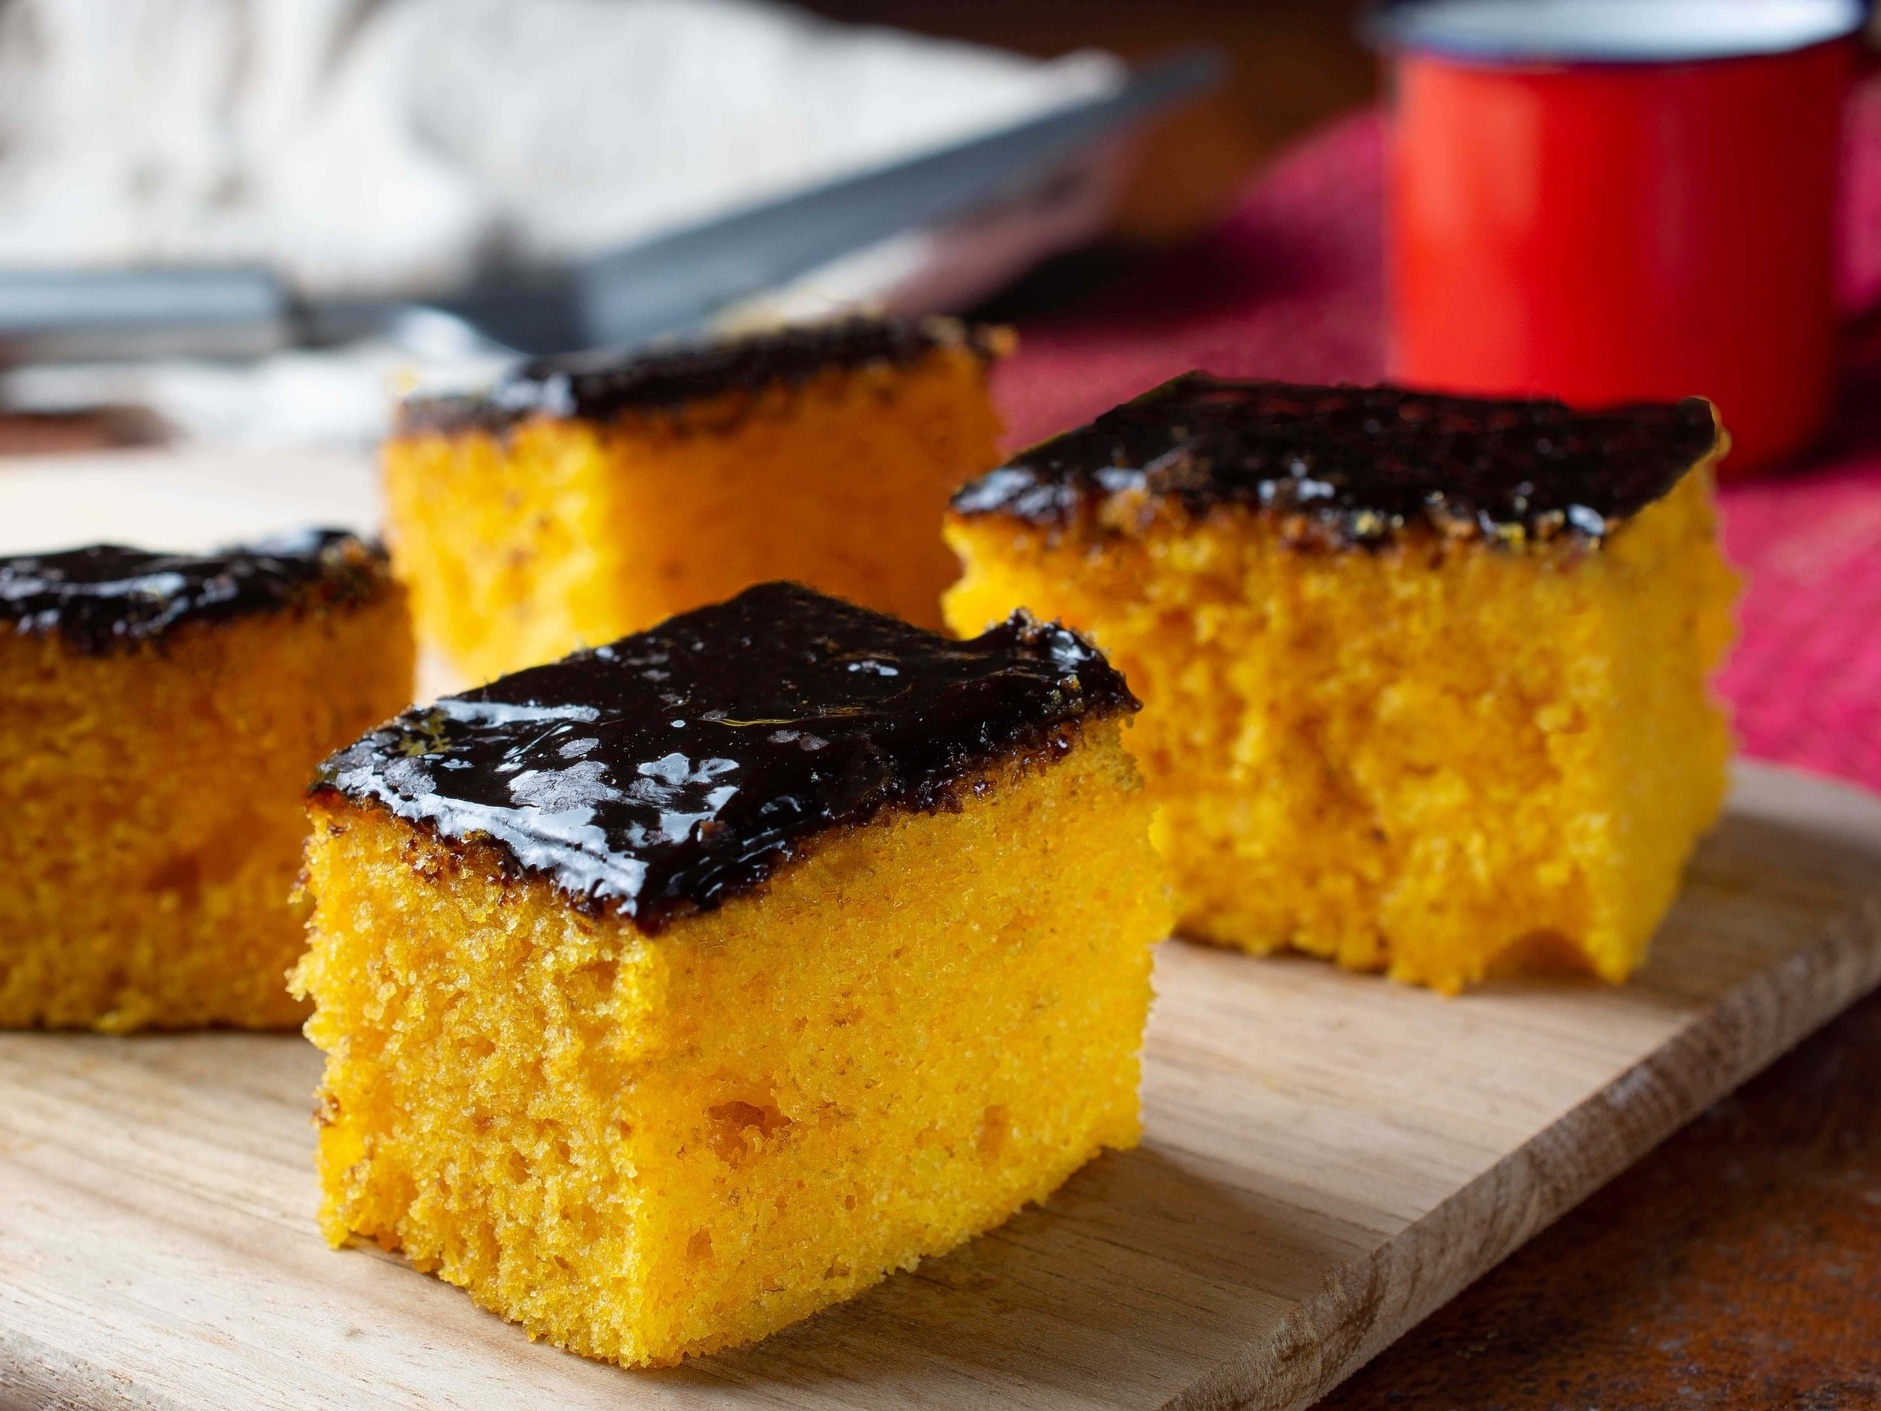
(1737, 1266)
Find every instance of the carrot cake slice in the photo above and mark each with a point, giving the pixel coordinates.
(1424, 677)
(679, 988)
(586, 497)
(160, 715)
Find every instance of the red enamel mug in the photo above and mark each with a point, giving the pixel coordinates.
(1613, 200)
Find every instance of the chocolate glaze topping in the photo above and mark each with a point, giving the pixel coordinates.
(1358, 465)
(600, 386)
(107, 597)
(682, 766)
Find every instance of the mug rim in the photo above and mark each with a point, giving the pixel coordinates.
(1636, 32)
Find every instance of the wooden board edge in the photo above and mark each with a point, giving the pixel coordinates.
(34, 1377)
(1369, 1304)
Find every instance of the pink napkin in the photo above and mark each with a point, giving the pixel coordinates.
(1289, 285)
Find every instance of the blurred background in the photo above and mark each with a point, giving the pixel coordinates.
(376, 195)
(1292, 64)
(362, 150)
(251, 224)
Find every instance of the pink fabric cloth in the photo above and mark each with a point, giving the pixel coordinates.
(1290, 285)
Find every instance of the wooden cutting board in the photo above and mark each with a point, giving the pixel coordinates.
(1329, 1157)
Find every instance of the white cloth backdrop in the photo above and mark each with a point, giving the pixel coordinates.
(389, 145)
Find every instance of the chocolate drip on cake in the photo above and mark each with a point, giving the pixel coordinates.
(1359, 465)
(682, 766)
(105, 597)
(600, 386)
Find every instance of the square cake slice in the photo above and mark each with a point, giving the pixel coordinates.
(160, 716)
(587, 497)
(1424, 677)
(677, 989)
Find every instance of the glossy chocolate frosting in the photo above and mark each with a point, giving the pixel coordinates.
(600, 386)
(1359, 465)
(106, 597)
(682, 766)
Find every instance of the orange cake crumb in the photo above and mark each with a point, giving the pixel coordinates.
(670, 996)
(582, 500)
(1424, 678)
(160, 716)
